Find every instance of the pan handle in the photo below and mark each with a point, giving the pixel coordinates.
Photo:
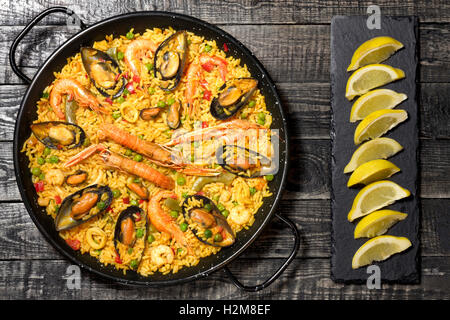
(31, 24)
(280, 270)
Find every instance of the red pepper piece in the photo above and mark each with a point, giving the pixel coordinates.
(207, 95)
(58, 199)
(126, 200)
(74, 243)
(205, 124)
(225, 47)
(39, 186)
(208, 66)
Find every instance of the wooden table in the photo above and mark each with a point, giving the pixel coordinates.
(292, 39)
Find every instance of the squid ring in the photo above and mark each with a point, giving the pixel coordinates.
(100, 238)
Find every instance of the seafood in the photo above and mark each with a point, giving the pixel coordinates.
(161, 255)
(82, 206)
(59, 135)
(74, 90)
(209, 62)
(193, 74)
(173, 115)
(96, 238)
(103, 71)
(162, 221)
(149, 113)
(170, 59)
(141, 191)
(55, 177)
(135, 51)
(76, 178)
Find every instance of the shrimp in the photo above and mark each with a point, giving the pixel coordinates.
(75, 90)
(193, 75)
(161, 255)
(162, 221)
(130, 166)
(135, 51)
(240, 215)
(208, 62)
(55, 177)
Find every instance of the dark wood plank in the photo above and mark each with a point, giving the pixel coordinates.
(303, 279)
(307, 105)
(234, 12)
(21, 240)
(299, 54)
(309, 173)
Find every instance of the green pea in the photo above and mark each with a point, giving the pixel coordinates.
(251, 104)
(262, 116)
(269, 177)
(170, 101)
(137, 158)
(116, 114)
(225, 213)
(181, 181)
(42, 176)
(133, 264)
(47, 151)
(128, 153)
(261, 122)
(56, 208)
(184, 194)
(120, 99)
(101, 205)
(134, 202)
(139, 233)
(40, 161)
(235, 203)
(216, 198)
(45, 95)
(130, 250)
(207, 233)
(54, 159)
(119, 55)
(174, 214)
(86, 142)
(36, 171)
(116, 193)
(161, 104)
(151, 90)
(208, 207)
(137, 180)
(150, 238)
(244, 115)
(252, 190)
(208, 48)
(183, 226)
(149, 66)
(98, 252)
(218, 237)
(220, 207)
(130, 35)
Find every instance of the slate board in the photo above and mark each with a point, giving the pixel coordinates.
(347, 33)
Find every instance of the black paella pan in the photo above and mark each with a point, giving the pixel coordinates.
(119, 25)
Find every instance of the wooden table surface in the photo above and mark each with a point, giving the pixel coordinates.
(292, 39)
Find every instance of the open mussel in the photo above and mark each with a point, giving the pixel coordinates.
(76, 178)
(233, 95)
(170, 59)
(209, 225)
(82, 206)
(173, 115)
(130, 233)
(103, 71)
(58, 134)
(243, 162)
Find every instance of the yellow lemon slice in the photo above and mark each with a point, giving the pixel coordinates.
(378, 123)
(371, 171)
(379, 249)
(378, 148)
(374, 50)
(375, 100)
(377, 223)
(376, 196)
(369, 77)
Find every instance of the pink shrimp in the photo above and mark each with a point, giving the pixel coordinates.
(162, 221)
(75, 90)
(134, 53)
(193, 75)
(208, 62)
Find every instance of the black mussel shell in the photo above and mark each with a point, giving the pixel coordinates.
(71, 110)
(233, 95)
(170, 59)
(103, 71)
(59, 134)
(64, 218)
(173, 115)
(208, 217)
(244, 161)
(129, 218)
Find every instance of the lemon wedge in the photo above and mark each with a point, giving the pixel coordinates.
(374, 50)
(377, 223)
(379, 249)
(378, 148)
(375, 100)
(369, 77)
(378, 123)
(376, 196)
(371, 171)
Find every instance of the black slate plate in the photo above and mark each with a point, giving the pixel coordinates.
(347, 33)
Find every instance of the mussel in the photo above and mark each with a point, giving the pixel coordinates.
(149, 113)
(130, 233)
(82, 206)
(71, 110)
(170, 59)
(76, 178)
(210, 226)
(233, 95)
(173, 115)
(58, 134)
(244, 162)
(103, 71)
